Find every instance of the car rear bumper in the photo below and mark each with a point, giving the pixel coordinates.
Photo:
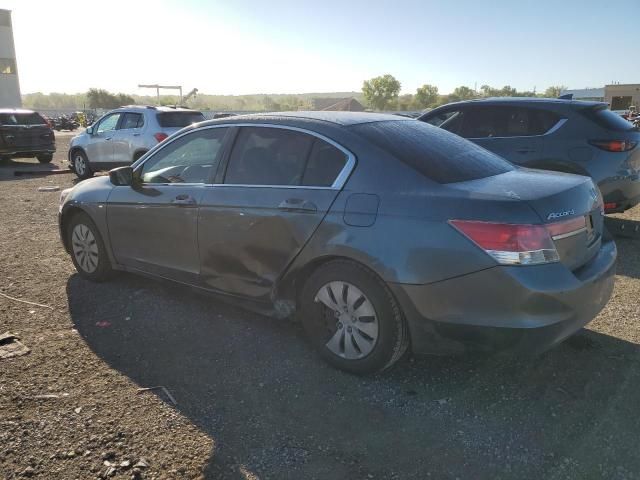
(522, 310)
(623, 191)
(28, 151)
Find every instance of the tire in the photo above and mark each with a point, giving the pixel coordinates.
(45, 158)
(88, 252)
(81, 165)
(339, 331)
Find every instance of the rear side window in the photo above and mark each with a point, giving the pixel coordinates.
(132, 120)
(607, 119)
(324, 165)
(178, 119)
(505, 121)
(436, 153)
(21, 119)
(269, 156)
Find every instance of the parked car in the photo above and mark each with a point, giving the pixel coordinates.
(123, 135)
(25, 134)
(380, 233)
(554, 134)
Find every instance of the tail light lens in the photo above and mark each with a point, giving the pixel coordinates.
(614, 145)
(511, 244)
(160, 136)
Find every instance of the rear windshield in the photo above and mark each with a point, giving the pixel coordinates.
(21, 119)
(179, 119)
(437, 154)
(607, 119)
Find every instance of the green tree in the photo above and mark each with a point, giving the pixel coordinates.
(379, 92)
(554, 91)
(426, 95)
(464, 93)
(99, 98)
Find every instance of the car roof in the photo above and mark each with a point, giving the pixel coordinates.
(337, 118)
(156, 108)
(524, 101)
(15, 110)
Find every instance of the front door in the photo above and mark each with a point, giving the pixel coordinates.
(153, 225)
(100, 146)
(279, 185)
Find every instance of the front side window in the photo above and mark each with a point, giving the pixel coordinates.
(109, 123)
(132, 120)
(269, 156)
(192, 158)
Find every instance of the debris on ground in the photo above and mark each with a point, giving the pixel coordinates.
(49, 189)
(28, 302)
(11, 347)
(164, 389)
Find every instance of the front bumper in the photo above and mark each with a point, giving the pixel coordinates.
(511, 309)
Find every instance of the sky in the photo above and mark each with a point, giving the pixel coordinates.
(286, 46)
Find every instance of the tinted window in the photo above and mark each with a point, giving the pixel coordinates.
(108, 123)
(179, 119)
(192, 158)
(132, 120)
(504, 121)
(436, 153)
(441, 118)
(268, 156)
(21, 119)
(607, 119)
(324, 165)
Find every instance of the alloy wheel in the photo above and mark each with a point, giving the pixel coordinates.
(350, 318)
(79, 165)
(85, 248)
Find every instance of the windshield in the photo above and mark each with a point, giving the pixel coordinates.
(179, 119)
(437, 154)
(30, 118)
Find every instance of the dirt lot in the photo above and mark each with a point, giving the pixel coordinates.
(253, 400)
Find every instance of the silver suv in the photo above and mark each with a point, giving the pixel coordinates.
(123, 135)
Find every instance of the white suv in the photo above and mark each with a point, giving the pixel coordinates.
(123, 135)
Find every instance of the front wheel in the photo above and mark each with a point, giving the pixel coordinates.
(88, 252)
(352, 318)
(81, 165)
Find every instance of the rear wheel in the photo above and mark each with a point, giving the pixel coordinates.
(45, 158)
(81, 165)
(352, 318)
(88, 252)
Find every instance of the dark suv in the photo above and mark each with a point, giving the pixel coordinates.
(554, 134)
(25, 134)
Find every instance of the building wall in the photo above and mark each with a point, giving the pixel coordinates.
(619, 97)
(9, 82)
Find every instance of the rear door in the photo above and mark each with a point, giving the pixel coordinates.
(100, 146)
(508, 131)
(278, 185)
(153, 225)
(24, 130)
(127, 137)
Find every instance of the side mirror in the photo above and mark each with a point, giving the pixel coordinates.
(90, 130)
(121, 176)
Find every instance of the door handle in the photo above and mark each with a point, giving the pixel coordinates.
(136, 134)
(184, 200)
(108, 138)
(298, 204)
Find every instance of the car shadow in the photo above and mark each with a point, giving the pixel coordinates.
(275, 410)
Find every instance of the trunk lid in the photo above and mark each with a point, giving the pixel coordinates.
(554, 197)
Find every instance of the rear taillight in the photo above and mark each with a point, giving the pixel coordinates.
(511, 244)
(614, 145)
(160, 136)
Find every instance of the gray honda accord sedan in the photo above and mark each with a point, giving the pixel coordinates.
(380, 234)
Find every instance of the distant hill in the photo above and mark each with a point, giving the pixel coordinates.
(253, 102)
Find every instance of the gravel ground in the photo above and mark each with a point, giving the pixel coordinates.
(254, 402)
